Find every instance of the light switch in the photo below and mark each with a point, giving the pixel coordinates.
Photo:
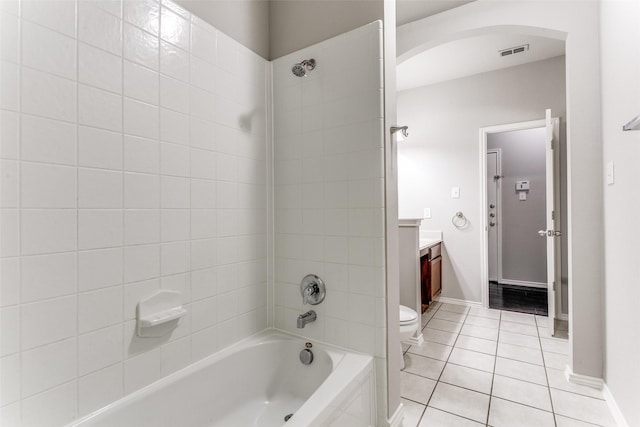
(426, 213)
(611, 177)
(455, 192)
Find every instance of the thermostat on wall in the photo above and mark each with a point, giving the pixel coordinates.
(522, 185)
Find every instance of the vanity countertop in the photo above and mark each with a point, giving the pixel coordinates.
(425, 244)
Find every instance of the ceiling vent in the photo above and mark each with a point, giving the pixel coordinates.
(514, 50)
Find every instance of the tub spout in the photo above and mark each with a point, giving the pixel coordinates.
(305, 318)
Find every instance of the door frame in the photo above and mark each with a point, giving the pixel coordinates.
(484, 241)
(498, 152)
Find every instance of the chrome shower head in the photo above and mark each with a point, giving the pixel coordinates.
(300, 69)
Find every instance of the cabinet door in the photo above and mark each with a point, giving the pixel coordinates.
(436, 276)
(425, 287)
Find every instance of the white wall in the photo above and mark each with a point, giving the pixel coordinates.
(329, 193)
(577, 24)
(523, 157)
(620, 103)
(443, 151)
(132, 159)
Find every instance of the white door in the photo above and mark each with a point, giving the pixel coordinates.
(552, 232)
(493, 190)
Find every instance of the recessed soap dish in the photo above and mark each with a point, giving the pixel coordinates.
(160, 313)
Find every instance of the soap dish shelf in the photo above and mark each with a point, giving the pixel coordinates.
(160, 313)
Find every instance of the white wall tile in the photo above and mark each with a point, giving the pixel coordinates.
(175, 225)
(49, 51)
(174, 127)
(140, 83)
(203, 223)
(141, 263)
(141, 226)
(178, 282)
(175, 28)
(10, 86)
(141, 119)
(227, 52)
(99, 228)
(99, 268)
(98, 309)
(141, 47)
(98, 28)
(141, 191)
(47, 231)
(203, 104)
(202, 74)
(175, 192)
(175, 258)
(174, 62)
(49, 276)
(203, 283)
(9, 38)
(10, 381)
(38, 327)
(49, 141)
(48, 366)
(48, 186)
(10, 329)
(10, 184)
(203, 253)
(203, 313)
(203, 194)
(144, 14)
(56, 406)
(99, 68)
(9, 131)
(99, 108)
(174, 94)
(10, 237)
(44, 94)
(203, 164)
(174, 159)
(99, 189)
(100, 388)
(203, 343)
(203, 42)
(203, 134)
(175, 355)
(57, 15)
(141, 155)
(142, 370)
(134, 292)
(99, 148)
(99, 349)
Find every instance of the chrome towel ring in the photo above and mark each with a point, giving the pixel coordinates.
(459, 221)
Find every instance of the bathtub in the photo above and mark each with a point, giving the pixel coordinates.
(256, 382)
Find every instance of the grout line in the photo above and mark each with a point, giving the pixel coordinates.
(77, 167)
(495, 362)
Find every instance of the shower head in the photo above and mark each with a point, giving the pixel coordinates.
(300, 69)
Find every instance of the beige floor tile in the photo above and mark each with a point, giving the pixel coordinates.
(519, 339)
(484, 312)
(440, 337)
(455, 308)
(436, 418)
(521, 392)
(555, 360)
(582, 408)
(423, 366)
(460, 401)
(465, 377)
(482, 321)
(518, 328)
(412, 413)
(472, 359)
(553, 345)
(476, 344)
(432, 350)
(415, 387)
(480, 332)
(521, 371)
(444, 325)
(527, 319)
(523, 354)
(503, 413)
(570, 422)
(450, 316)
(557, 379)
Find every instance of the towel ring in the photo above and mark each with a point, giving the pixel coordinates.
(459, 221)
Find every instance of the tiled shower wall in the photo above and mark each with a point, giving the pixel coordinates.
(329, 193)
(133, 158)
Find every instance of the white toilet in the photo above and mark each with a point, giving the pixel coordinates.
(408, 326)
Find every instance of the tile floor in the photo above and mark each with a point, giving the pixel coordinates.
(484, 367)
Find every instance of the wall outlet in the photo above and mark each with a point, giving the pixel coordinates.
(426, 213)
(455, 192)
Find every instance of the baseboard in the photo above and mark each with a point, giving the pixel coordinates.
(415, 340)
(457, 301)
(562, 316)
(396, 419)
(584, 380)
(522, 283)
(613, 407)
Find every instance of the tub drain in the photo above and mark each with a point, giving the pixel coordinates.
(286, 417)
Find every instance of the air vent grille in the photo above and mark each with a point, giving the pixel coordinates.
(514, 50)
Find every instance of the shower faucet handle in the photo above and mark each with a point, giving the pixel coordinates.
(312, 289)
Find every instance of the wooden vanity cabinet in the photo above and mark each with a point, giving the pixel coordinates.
(430, 274)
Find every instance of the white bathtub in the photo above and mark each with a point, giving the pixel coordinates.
(256, 382)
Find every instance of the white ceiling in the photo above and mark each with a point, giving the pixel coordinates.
(471, 56)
